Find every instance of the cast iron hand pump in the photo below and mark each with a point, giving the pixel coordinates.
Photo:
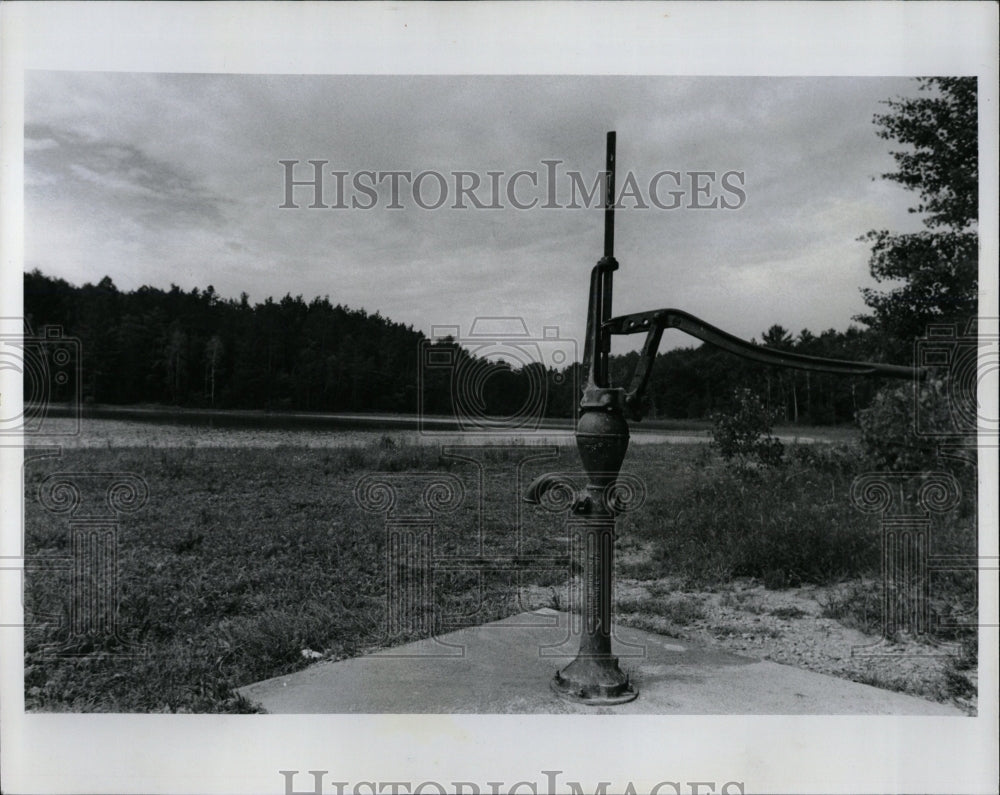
(602, 439)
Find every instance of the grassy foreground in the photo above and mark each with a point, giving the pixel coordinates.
(250, 563)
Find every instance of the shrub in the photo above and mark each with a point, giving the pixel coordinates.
(889, 428)
(744, 434)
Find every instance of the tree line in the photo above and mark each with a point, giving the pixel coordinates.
(198, 349)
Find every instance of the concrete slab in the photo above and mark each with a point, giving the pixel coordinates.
(505, 667)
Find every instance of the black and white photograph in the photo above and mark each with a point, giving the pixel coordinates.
(425, 405)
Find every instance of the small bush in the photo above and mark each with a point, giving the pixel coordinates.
(744, 434)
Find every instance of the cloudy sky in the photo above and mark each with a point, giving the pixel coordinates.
(158, 179)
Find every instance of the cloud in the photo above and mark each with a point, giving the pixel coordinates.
(39, 144)
(111, 183)
(175, 178)
(118, 176)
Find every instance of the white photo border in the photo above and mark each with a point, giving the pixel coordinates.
(222, 754)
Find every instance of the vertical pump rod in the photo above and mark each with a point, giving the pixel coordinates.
(598, 342)
(609, 199)
(610, 264)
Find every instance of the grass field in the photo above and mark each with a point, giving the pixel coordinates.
(248, 563)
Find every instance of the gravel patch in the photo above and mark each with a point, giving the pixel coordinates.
(788, 626)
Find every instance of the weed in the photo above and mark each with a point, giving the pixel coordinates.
(957, 684)
(788, 612)
(661, 588)
(747, 602)
(832, 459)
(858, 605)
